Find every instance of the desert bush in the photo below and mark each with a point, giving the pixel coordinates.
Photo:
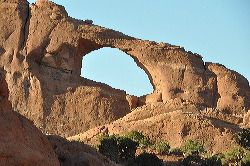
(138, 137)
(212, 161)
(107, 136)
(175, 151)
(196, 159)
(127, 148)
(109, 148)
(162, 148)
(244, 138)
(233, 156)
(191, 159)
(117, 147)
(245, 161)
(145, 159)
(192, 148)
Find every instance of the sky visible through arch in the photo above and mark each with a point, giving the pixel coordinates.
(117, 69)
(219, 30)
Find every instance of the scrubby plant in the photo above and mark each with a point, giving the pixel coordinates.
(192, 148)
(212, 161)
(245, 161)
(196, 159)
(107, 136)
(235, 155)
(162, 148)
(175, 151)
(191, 159)
(127, 147)
(138, 137)
(145, 159)
(244, 138)
(117, 147)
(109, 148)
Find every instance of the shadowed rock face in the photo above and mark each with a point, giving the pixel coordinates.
(21, 143)
(41, 50)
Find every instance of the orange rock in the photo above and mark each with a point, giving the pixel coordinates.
(163, 123)
(21, 143)
(77, 153)
(41, 51)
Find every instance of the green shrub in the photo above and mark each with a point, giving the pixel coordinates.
(192, 148)
(244, 138)
(109, 148)
(127, 147)
(138, 137)
(196, 159)
(212, 161)
(191, 159)
(162, 148)
(145, 159)
(245, 161)
(233, 156)
(175, 151)
(107, 136)
(116, 147)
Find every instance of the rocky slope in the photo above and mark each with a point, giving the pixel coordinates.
(41, 50)
(164, 123)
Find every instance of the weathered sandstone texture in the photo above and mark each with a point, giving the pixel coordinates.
(77, 153)
(163, 123)
(41, 51)
(21, 143)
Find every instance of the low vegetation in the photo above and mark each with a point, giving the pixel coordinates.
(162, 148)
(138, 137)
(145, 159)
(123, 149)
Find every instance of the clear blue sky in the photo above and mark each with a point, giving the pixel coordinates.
(219, 30)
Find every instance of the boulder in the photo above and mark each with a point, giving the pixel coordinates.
(77, 153)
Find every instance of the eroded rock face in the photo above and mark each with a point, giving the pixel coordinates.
(21, 143)
(5, 104)
(41, 50)
(77, 153)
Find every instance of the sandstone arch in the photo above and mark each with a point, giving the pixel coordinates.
(41, 57)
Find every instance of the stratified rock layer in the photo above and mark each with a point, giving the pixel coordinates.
(41, 50)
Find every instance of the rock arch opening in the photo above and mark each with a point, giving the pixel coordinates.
(117, 69)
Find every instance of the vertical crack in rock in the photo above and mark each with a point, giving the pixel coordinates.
(26, 29)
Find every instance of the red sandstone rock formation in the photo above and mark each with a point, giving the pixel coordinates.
(41, 50)
(21, 143)
(77, 153)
